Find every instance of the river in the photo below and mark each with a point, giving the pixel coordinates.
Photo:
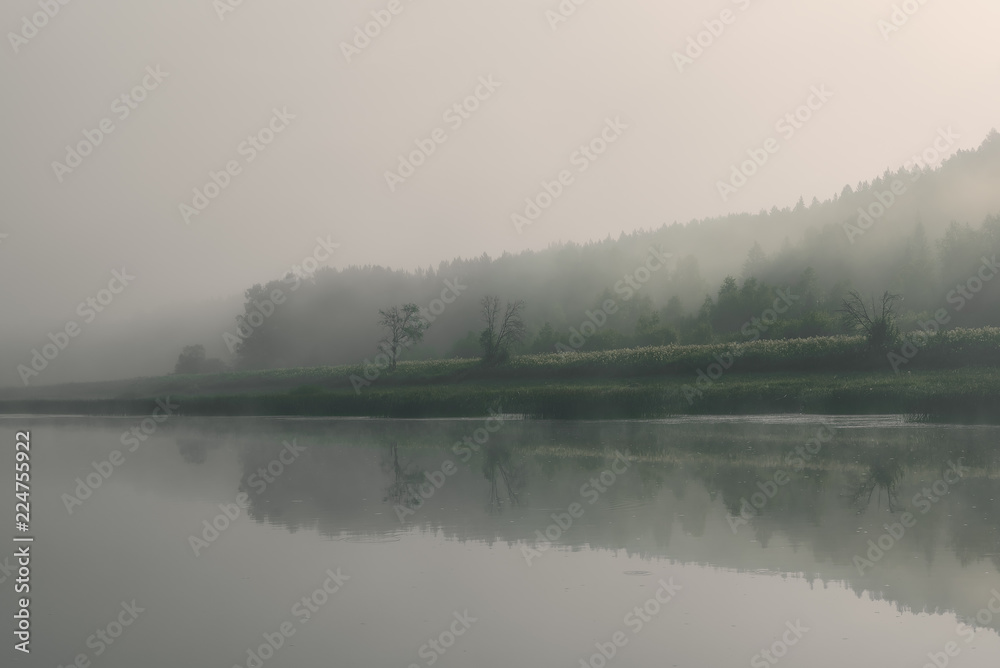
(792, 540)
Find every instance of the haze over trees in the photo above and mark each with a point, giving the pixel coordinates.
(725, 272)
(928, 243)
(876, 322)
(194, 360)
(503, 329)
(403, 328)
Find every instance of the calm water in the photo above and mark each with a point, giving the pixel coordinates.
(400, 543)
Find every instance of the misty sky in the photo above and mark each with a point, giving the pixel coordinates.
(676, 134)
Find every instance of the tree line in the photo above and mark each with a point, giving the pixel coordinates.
(925, 250)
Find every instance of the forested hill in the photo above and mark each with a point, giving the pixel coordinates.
(927, 232)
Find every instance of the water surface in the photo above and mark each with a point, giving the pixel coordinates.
(691, 542)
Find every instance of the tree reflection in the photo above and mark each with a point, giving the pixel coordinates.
(884, 473)
(506, 477)
(690, 482)
(193, 450)
(404, 478)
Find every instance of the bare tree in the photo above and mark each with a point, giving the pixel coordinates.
(884, 472)
(499, 460)
(403, 326)
(502, 331)
(878, 325)
(402, 490)
(191, 360)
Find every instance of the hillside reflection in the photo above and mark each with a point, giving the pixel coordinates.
(730, 495)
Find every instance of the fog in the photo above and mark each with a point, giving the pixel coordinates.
(257, 138)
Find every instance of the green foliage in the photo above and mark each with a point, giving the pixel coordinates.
(403, 327)
(818, 252)
(964, 394)
(466, 348)
(262, 344)
(504, 330)
(306, 391)
(650, 332)
(951, 349)
(606, 338)
(877, 323)
(545, 341)
(955, 373)
(696, 332)
(192, 360)
(812, 323)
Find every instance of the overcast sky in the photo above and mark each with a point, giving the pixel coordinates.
(553, 86)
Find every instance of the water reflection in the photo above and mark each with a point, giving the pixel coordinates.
(885, 470)
(677, 501)
(194, 450)
(425, 530)
(499, 463)
(403, 479)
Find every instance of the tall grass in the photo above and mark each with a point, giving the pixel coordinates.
(964, 394)
(952, 349)
(821, 374)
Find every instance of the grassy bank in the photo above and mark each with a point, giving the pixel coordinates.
(968, 394)
(956, 375)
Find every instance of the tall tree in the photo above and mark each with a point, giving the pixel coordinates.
(502, 331)
(403, 327)
(878, 324)
(191, 360)
(755, 263)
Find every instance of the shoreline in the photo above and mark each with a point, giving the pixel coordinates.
(959, 395)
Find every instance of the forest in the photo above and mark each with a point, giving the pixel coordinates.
(929, 237)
